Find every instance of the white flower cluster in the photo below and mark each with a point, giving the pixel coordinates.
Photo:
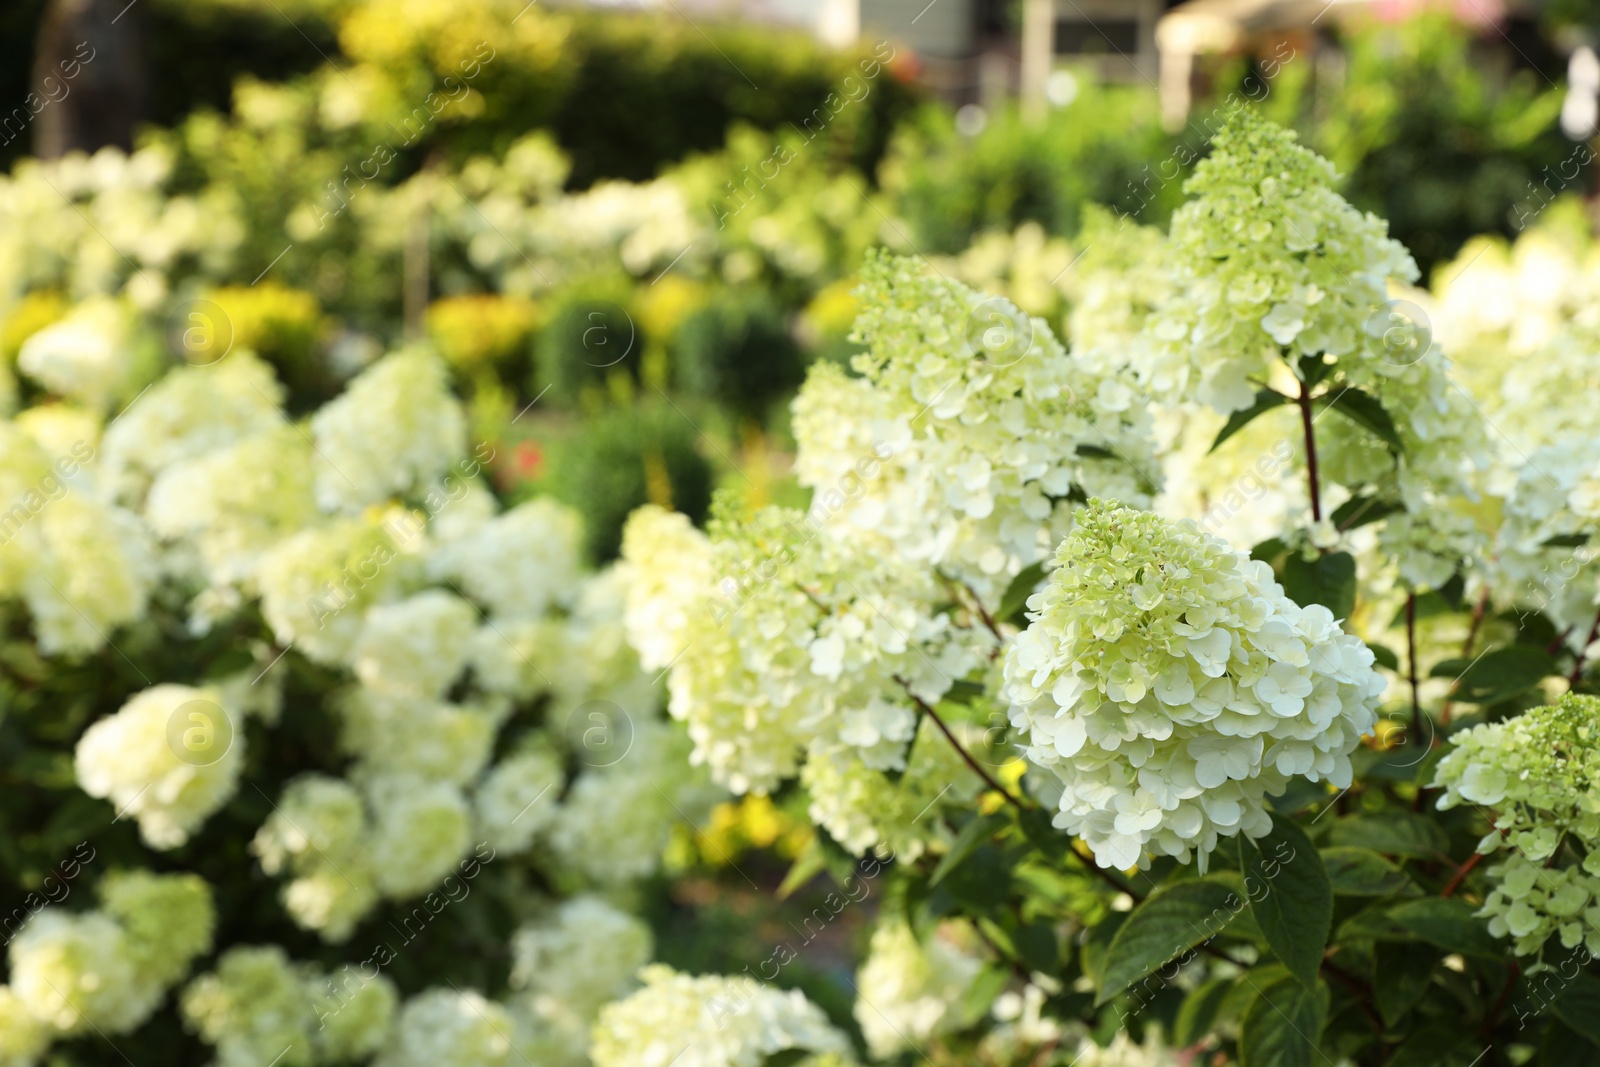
(82, 566)
(1545, 557)
(910, 991)
(395, 428)
(104, 970)
(1268, 260)
(808, 641)
(1170, 685)
(259, 1007)
(710, 1021)
(969, 433)
(1540, 775)
(446, 1028)
(571, 963)
(863, 808)
(170, 757)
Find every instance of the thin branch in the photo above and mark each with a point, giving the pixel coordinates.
(1461, 874)
(1411, 666)
(961, 751)
(1304, 401)
(983, 613)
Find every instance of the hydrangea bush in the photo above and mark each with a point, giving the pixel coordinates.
(1176, 663)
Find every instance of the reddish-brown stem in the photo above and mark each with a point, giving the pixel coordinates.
(1411, 667)
(1461, 874)
(960, 749)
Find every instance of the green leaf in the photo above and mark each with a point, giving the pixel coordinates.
(1265, 401)
(1200, 1011)
(1283, 1025)
(1270, 551)
(1314, 368)
(1096, 452)
(1394, 833)
(977, 831)
(1360, 510)
(1295, 905)
(1435, 1045)
(1171, 921)
(1578, 1005)
(1366, 411)
(787, 1058)
(1498, 675)
(1385, 656)
(1360, 872)
(981, 994)
(983, 881)
(1450, 924)
(1329, 580)
(1400, 976)
(1036, 945)
(1014, 603)
(1577, 540)
(1561, 1047)
(810, 863)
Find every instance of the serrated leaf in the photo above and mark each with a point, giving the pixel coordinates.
(1200, 1011)
(1270, 551)
(1360, 510)
(1360, 872)
(977, 831)
(1290, 896)
(1014, 603)
(1366, 411)
(1283, 1025)
(1394, 833)
(1578, 1006)
(1498, 675)
(1449, 923)
(1266, 400)
(1171, 921)
(1329, 580)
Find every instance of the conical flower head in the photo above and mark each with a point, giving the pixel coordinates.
(1170, 685)
(1272, 262)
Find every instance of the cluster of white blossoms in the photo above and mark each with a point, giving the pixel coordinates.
(969, 434)
(1545, 556)
(1169, 685)
(910, 992)
(104, 970)
(863, 808)
(571, 963)
(94, 224)
(806, 641)
(170, 757)
(1539, 774)
(1279, 277)
(82, 566)
(678, 1020)
(1269, 260)
(260, 1007)
(1523, 325)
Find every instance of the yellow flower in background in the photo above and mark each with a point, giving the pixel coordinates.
(479, 330)
(27, 317)
(278, 323)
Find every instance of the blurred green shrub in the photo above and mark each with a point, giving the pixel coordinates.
(589, 337)
(621, 458)
(950, 187)
(737, 352)
(1426, 133)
